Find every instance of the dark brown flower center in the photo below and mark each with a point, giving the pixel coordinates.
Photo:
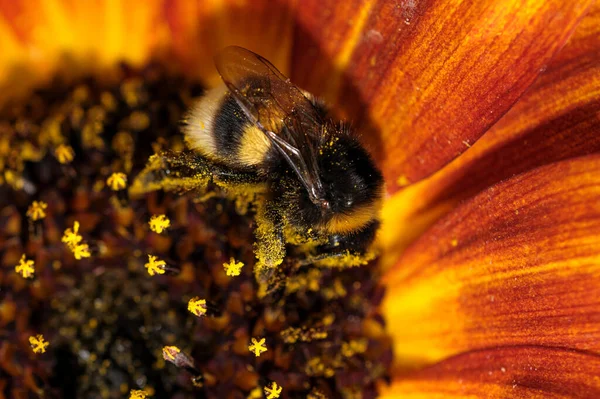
(73, 147)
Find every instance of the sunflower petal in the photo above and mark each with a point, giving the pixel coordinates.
(430, 76)
(202, 28)
(40, 38)
(106, 31)
(517, 264)
(555, 119)
(515, 372)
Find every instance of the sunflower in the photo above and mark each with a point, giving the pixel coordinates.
(482, 115)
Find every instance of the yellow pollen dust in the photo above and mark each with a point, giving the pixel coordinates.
(38, 344)
(233, 268)
(117, 181)
(137, 394)
(25, 267)
(274, 391)
(155, 265)
(169, 352)
(197, 306)
(64, 153)
(81, 251)
(71, 237)
(73, 241)
(159, 223)
(353, 347)
(36, 210)
(258, 346)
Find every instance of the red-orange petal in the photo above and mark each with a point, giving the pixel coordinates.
(517, 264)
(200, 29)
(432, 77)
(39, 38)
(509, 372)
(556, 119)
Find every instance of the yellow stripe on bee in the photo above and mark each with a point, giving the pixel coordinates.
(199, 129)
(254, 146)
(354, 220)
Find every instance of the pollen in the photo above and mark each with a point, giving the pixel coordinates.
(258, 346)
(117, 181)
(233, 268)
(81, 251)
(273, 391)
(137, 394)
(197, 306)
(170, 352)
(71, 237)
(64, 153)
(155, 265)
(36, 210)
(159, 223)
(38, 344)
(353, 347)
(25, 267)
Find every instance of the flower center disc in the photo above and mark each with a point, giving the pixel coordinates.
(75, 148)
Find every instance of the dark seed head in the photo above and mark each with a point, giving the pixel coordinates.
(106, 319)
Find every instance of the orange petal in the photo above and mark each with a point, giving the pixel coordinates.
(510, 372)
(555, 119)
(38, 38)
(200, 29)
(517, 264)
(432, 77)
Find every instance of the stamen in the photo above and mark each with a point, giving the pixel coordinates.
(38, 343)
(258, 346)
(233, 268)
(159, 223)
(25, 267)
(37, 210)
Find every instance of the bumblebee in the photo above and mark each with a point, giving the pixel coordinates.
(259, 136)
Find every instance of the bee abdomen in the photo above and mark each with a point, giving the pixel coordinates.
(218, 129)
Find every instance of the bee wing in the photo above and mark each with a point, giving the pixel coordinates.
(274, 104)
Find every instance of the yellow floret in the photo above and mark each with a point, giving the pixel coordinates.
(64, 153)
(233, 268)
(258, 346)
(155, 265)
(274, 391)
(25, 267)
(117, 181)
(36, 210)
(197, 306)
(159, 223)
(38, 344)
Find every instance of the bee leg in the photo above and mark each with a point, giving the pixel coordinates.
(340, 260)
(346, 250)
(171, 171)
(270, 243)
(327, 256)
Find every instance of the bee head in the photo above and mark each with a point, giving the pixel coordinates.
(352, 189)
